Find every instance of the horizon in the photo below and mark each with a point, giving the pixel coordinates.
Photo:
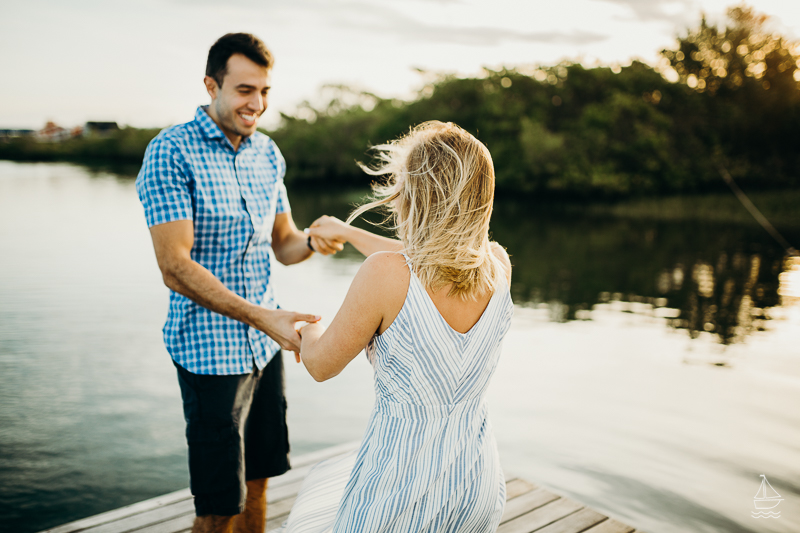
(156, 81)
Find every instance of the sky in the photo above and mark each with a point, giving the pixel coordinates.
(142, 62)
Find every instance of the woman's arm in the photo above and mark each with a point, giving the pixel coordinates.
(289, 244)
(332, 229)
(377, 291)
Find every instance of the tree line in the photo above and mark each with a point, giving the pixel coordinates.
(722, 96)
(589, 131)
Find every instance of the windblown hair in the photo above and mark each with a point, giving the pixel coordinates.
(439, 195)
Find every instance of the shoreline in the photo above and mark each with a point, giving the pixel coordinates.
(780, 206)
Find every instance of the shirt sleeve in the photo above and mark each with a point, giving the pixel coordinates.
(162, 184)
(283, 198)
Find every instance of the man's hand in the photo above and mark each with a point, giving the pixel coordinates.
(281, 326)
(309, 334)
(334, 230)
(325, 246)
(330, 229)
(290, 244)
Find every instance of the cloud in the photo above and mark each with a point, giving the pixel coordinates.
(377, 18)
(385, 21)
(678, 12)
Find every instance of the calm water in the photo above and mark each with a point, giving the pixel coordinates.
(652, 370)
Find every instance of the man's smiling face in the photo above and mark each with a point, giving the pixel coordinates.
(242, 99)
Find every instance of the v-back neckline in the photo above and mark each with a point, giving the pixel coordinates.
(441, 316)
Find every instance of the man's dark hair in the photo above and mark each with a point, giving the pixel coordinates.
(246, 44)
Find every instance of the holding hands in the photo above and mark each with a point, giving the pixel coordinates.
(333, 230)
(326, 235)
(324, 246)
(281, 325)
(324, 363)
(311, 330)
(329, 229)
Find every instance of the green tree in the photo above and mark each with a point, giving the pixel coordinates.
(711, 59)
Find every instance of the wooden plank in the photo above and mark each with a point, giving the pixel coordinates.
(146, 518)
(540, 517)
(610, 526)
(515, 487)
(528, 508)
(170, 526)
(526, 503)
(283, 492)
(275, 521)
(276, 491)
(289, 477)
(177, 523)
(575, 522)
(277, 513)
(280, 508)
(275, 495)
(325, 453)
(279, 489)
(122, 512)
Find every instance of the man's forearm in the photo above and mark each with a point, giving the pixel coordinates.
(293, 249)
(194, 281)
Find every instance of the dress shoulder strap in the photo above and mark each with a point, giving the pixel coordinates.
(408, 262)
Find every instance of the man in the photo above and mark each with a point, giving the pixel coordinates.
(215, 202)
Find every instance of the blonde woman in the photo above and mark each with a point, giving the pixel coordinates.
(431, 309)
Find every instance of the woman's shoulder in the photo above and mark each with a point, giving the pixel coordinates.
(381, 263)
(386, 273)
(386, 279)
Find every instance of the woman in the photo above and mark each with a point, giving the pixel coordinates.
(431, 310)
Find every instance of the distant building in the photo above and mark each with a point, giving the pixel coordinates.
(52, 132)
(100, 129)
(13, 133)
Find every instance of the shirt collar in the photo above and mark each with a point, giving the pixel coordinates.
(212, 131)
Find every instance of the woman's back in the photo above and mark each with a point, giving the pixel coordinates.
(420, 359)
(428, 461)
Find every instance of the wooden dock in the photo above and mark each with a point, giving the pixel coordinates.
(528, 508)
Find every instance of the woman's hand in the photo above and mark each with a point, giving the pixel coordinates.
(308, 334)
(330, 228)
(334, 230)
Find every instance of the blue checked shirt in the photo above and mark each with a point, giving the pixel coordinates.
(191, 172)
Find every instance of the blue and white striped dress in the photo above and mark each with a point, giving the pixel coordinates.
(428, 461)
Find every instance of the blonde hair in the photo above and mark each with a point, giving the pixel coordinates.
(439, 195)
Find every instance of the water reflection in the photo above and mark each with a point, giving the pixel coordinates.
(701, 277)
(729, 297)
(789, 285)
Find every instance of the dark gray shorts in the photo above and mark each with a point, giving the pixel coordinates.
(236, 431)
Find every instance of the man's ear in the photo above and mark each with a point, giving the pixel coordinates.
(211, 87)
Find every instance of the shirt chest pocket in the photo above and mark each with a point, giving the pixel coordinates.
(261, 197)
(236, 204)
(221, 217)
